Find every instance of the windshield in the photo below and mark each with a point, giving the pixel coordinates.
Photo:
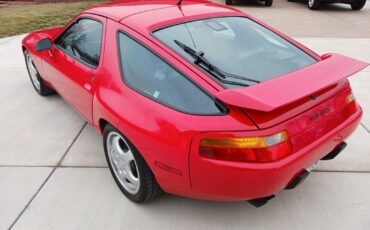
(238, 46)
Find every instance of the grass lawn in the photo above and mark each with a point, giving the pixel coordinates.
(18, 19)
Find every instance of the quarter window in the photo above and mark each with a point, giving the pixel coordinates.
(151, 76)
(82, 41)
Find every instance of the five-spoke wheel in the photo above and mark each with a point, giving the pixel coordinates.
(123, 162)
(129, 169)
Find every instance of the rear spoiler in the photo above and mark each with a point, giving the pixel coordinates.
(275, 93)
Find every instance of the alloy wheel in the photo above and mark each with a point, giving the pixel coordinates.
(33, 72)
(123, 162)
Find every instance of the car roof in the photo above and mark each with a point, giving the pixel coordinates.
(147, 15)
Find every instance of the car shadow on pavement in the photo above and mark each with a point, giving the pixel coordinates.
(335, 7)
(248, 3)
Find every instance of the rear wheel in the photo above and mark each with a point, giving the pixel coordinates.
(37, 82)
(229, 2)
(268, 2)
(313, 4)
(358, 4)
(128, 168)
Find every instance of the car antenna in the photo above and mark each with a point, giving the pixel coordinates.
(179, 2)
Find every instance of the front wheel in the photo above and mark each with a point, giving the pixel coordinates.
(268, 2)
(358, 4)
(128, 167)
(313, 4)
(37, 82)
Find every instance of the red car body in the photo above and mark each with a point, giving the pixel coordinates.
(169, 140)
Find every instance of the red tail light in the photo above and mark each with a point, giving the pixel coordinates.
(248, 149)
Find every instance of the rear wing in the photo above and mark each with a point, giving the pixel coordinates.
(280, 91)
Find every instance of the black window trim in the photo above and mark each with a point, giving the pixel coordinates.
(72, 56)
(223, 109)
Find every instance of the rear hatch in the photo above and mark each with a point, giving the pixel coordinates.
(301, 99)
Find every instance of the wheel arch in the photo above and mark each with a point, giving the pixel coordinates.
(102, 123)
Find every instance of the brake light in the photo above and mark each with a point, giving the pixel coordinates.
(247, 149)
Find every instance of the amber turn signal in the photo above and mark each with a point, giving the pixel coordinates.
(247, 149)
(246, 142)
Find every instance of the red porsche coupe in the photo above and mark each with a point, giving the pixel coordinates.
(197, 99)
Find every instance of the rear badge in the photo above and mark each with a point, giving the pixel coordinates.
(312, 167)
(319, 114)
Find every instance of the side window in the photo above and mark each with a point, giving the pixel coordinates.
(82, 40)
(148, 74)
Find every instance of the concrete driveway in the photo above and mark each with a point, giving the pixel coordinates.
(295, 19)
(53, 173)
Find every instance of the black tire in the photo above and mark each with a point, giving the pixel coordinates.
(148, 188)
(313, 4)
(358, 4)
(43, 89)
(229, 2)
(268, 2)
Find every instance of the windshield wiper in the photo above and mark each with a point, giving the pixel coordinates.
(221, 75)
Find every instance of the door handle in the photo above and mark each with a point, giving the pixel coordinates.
(51, 51)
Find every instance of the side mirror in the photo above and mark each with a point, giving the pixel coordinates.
(43, 44)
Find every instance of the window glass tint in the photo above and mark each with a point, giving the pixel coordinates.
(83, 41)
(237, 45)
(151, 76)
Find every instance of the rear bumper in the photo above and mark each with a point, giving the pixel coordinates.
(234, 181)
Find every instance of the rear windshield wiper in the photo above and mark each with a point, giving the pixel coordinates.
(218, 73)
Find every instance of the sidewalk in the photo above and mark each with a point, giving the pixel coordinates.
(53, 173)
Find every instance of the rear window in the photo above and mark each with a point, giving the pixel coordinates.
(237, 45)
